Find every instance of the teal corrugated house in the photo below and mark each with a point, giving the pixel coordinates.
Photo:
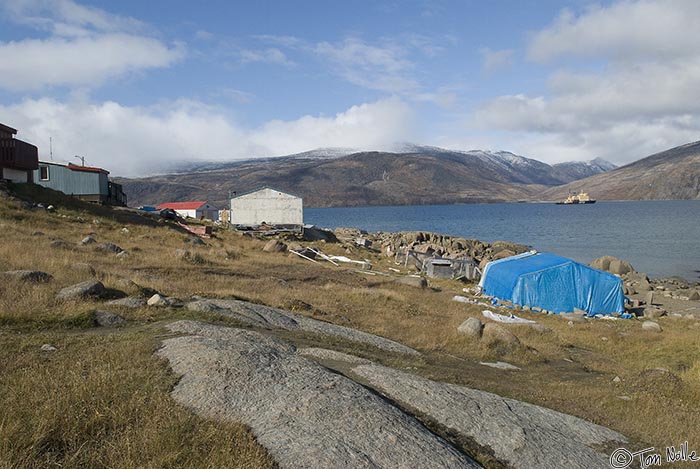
(84, 182)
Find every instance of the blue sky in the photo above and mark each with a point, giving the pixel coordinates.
(135, 86)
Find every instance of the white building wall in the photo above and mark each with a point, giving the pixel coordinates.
(187, 213)
(269, 206)
(15, 175)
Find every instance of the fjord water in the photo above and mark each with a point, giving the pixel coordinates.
(661, 238)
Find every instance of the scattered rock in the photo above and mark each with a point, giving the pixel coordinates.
(617, 380)
(319, 234)
(33, 276)
(472, 327)
(651, 326)
(108, 247)
(37, 233)
(495, 334)
(128, 302)
(694, 296)
(123, 255)
(107, 319)
(649, 298)
(275, 245)
(515, 434)
(87, 240)
(302, 413)
(500, 365)
(90, 288)
(418, 282)
(653, 312)
(50, 209)
(84, 267)
(612, 265)
(160, 300)
(60, 244)
(204, 306)
(48, 348)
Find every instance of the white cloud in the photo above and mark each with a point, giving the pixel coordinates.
(84, 61)
(270, 55)
(67, 18)
(86, 47)
(626, 30)
(644, 99)
(495, 60)
(141, 140)
(383, 68)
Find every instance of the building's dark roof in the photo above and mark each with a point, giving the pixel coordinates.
(8, 129)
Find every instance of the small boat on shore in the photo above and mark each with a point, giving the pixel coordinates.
(577, 198)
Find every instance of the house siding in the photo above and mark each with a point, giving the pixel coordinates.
(92, 186)
(269, 206)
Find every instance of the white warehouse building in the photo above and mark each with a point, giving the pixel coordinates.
(267, 206)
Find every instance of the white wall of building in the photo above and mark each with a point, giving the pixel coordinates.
(187, 213)
(15, 175)
(269, 206)
(207, 211)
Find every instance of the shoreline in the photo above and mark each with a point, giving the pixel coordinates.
(655, 236)
(649, 297)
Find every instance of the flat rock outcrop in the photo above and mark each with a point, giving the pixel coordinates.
(90, 288)
(32, 276)
(518, 434)
(264, 316)
(304, 414)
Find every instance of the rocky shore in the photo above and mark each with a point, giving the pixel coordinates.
(650, 298)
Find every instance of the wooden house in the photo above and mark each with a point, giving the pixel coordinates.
(18, 159)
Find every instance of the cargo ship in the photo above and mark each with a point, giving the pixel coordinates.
(577, 198)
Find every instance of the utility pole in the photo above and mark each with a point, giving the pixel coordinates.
(81, 158)
(51, 148)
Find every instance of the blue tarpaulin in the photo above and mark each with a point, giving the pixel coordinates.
(553, 283)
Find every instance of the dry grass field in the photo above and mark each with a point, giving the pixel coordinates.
(101, 399)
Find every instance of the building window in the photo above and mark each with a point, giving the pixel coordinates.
(43, 173)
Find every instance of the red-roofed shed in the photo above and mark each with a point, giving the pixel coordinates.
(197, 210)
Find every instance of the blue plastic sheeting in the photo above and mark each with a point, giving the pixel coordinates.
(553, 283)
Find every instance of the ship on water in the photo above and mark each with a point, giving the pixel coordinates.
(577, 198)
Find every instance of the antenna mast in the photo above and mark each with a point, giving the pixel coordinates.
(50, 148)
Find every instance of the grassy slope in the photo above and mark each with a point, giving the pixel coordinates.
(101, 399)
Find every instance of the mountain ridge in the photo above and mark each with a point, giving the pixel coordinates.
(669, 174)
(424, 175)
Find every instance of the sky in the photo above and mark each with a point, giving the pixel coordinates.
(139, 87)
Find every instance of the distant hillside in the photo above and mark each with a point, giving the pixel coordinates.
(671, 174)
(328, 178)
(574, 170)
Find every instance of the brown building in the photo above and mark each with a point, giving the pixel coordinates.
(18, 159)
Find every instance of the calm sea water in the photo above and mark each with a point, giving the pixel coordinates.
(661, 238)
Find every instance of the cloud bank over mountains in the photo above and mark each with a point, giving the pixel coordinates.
(620, 83)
